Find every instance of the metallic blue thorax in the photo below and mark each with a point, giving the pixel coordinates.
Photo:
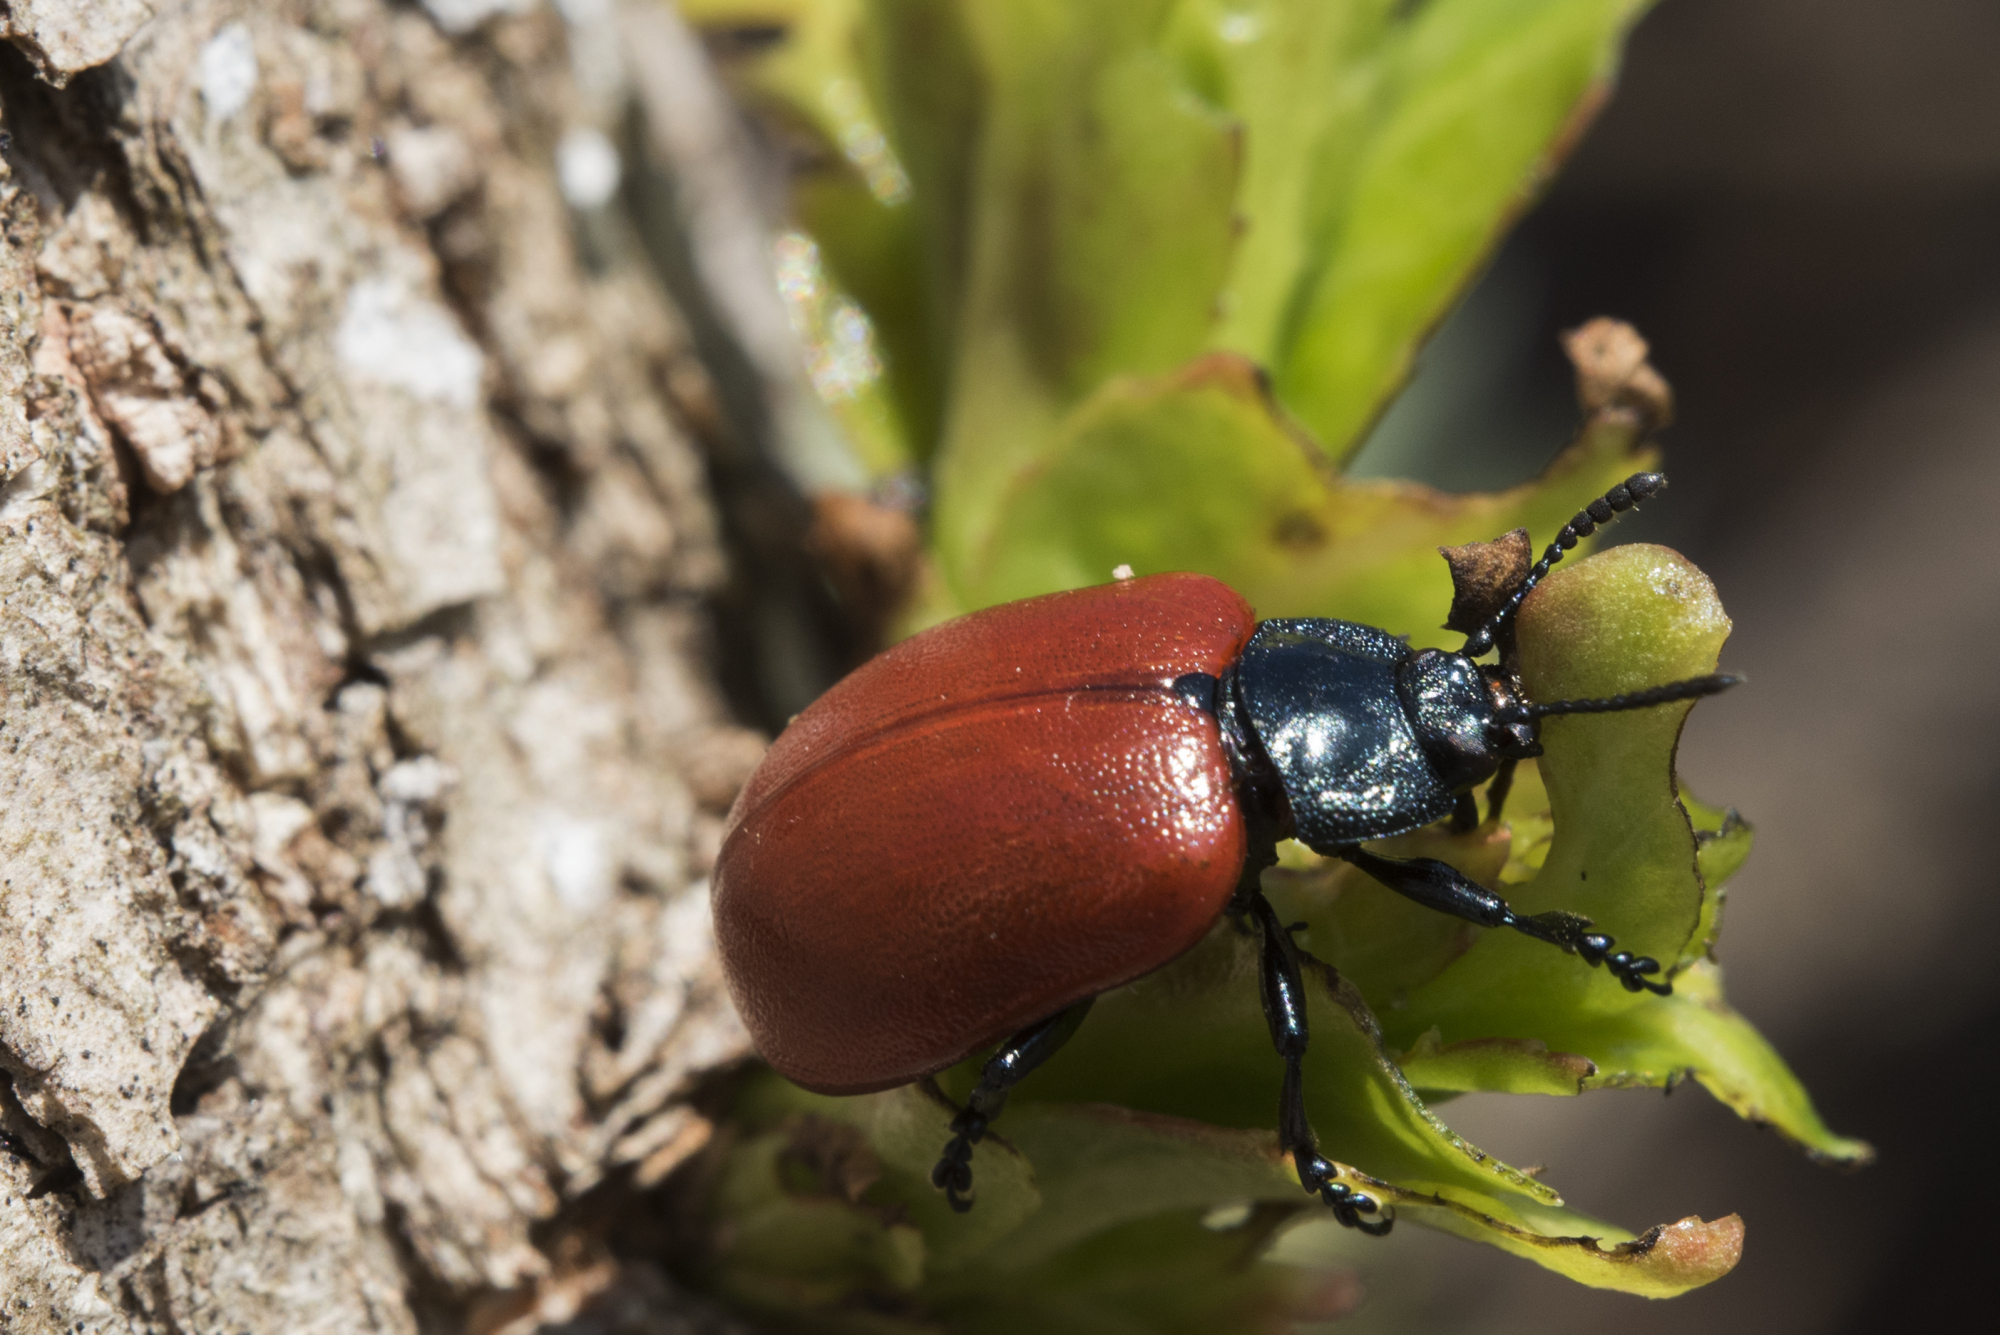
(1322, 697)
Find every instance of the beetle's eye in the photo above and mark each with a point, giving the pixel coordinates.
(1514, 738)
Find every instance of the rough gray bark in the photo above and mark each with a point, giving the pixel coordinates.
(359, 763)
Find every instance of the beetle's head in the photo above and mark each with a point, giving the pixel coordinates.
(1470, 718)
(1467, 718)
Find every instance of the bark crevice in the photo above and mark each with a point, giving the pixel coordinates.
(361, 759)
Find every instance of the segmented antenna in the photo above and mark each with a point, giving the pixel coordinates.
(1689, 689)
(1636, 488)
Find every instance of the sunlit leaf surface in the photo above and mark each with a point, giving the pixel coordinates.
(1200, 470)
(1032, 199)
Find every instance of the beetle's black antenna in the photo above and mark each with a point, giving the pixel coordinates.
(1636, 488)
(1691, 688)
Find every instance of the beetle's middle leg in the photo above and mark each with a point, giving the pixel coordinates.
(1465, 811)
(1285, 1011)
(1496, 792)
(1003, 1070)
(1439, 885)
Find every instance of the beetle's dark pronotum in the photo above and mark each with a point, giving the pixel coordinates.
(976, 833)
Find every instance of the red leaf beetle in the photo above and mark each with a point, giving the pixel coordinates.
(977, 832)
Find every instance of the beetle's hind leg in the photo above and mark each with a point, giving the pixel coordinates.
(1438, 885)
(1285, 1010)
(1003, 1070)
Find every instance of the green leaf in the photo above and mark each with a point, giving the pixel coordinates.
(1660, 1044)
(1308, 82)
(1499, 1065)
(1722, 845)
(1664, 1262)
(1106, 224)
(1106, 190)
(1098, 244)
(1199, 470)
(1480, 100)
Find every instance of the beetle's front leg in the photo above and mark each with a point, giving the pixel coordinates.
(1285, 1011)
(1003, 1070)
(1439, 885)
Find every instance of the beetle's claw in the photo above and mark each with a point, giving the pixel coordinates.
(1366, 1205)
(1320, 1178)
(959, 1192)
(1629, 969)
(1632, 971)
(953, 1174)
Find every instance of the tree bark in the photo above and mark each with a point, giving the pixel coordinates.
(361, 763)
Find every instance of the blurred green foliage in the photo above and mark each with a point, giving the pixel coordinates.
(1122, 283)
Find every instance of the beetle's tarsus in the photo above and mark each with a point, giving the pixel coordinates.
(1631, 970)
(1567, 930)
(1320, 1178)
(953, 1174)
(1003, 1070)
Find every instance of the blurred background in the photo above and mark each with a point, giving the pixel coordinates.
(1798, 203)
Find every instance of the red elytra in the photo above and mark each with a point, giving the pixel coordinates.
(990, 822)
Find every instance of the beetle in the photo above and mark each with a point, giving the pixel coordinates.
(980, 830)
